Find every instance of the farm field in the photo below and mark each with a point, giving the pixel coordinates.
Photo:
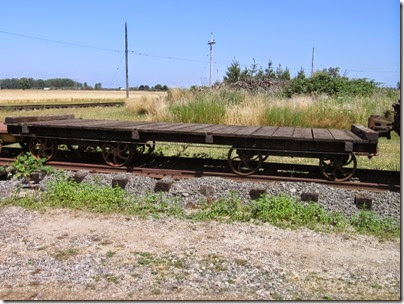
(60, 96)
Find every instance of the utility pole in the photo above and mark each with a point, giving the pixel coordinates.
(312, 63)
(211, 43)
(126, 58)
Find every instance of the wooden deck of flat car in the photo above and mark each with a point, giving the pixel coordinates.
(287, 141)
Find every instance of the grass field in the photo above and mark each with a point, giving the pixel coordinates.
(226, 107)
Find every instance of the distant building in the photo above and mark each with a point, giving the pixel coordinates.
(46, 89)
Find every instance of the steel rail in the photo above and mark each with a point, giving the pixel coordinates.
(176, 174)
(60, 106)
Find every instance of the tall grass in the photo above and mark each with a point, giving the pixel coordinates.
(204, 106)
(235, 107)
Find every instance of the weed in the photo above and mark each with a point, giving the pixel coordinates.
(367, 222)
(111, 278)
(281, 211)
(110, 254)
(26, 164)
(66, 253)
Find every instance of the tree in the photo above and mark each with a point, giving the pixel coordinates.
(158, 87)
(286, 74)
(333, 72)
(253, 69)
(301, 74)
(279, 72)
(98, 86)
(233, 72)
(26, 83)
(269, 71)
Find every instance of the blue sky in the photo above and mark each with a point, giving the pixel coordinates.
(361, 37)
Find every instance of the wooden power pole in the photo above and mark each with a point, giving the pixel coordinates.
(211, 43)
(126, 59)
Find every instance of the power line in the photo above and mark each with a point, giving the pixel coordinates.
(117, 69)
(137, 53)
(61, 42)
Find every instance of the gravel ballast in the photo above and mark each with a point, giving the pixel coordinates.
(384, 204)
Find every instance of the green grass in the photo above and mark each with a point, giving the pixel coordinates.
(199, 111)
(281, 211)
(66, 193)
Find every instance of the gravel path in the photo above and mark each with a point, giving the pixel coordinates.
(63, 254)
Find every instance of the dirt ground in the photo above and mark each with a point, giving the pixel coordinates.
(65, 255)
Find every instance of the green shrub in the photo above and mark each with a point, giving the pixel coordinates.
(65, 193)
(324, 83)
(367, 222)
(26, 164)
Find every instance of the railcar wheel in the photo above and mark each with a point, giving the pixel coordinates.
(42, 148)
(116, 154)
(244, 162)
(338, 167)
(24, 144)
(146, 148)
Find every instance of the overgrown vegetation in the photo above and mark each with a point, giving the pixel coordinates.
(330, 82)
(26, 164)
(205, 107)
(326, 81)
(281, 211)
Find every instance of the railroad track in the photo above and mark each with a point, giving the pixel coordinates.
(60, 106)
(182, 168)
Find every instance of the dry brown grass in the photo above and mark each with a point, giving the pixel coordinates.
(154, 107)
(41, 96)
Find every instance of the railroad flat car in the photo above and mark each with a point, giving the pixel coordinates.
(249, 146)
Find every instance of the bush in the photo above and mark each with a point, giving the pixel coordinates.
(325, 83)
(26, 164)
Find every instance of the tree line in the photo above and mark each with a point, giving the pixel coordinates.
(327, 81)
(26, 83)
(31, 83)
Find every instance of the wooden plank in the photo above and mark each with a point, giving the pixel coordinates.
(211, 128)
(191, 129)
(140, 125)
(284, 132)
(81, 124)
(246, 131)
(355, 137)
(364, 133)
(101, 125)
(154, 127)
(303, 134)
(123, 126)
(175, 126)
(227, 130)
(264, 132)
(322, 135)
(10, 120)
(340, 135)
(54, 122)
